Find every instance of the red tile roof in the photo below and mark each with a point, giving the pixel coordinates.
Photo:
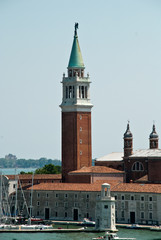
(135, 187)
(95, 187)
(36, 176)
(95, 169)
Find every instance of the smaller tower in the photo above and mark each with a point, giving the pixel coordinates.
(128, 142)
(105, 210)
(153, 139)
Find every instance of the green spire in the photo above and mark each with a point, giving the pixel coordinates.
(76, 60)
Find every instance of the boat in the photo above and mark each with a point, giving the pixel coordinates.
(34, 220)
(87, 222)
(156, 228)
(37, 226)
(8, 226)
(111, 236)
(133, 226)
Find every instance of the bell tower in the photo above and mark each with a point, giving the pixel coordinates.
(128, 142)
(76, 114)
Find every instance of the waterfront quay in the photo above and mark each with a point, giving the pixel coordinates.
(67, 227)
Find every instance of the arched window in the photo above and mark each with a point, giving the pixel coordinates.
(137, 166)
(70, 91)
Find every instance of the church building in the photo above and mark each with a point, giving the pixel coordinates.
(142, 166)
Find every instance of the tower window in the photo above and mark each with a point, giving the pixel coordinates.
(80, 141)
(70, 73)
(80, 129)
(82, 91)
(80, 152)
(85, 92)
(137, 166)
(73, 92)
(79, 92)
(66, 92)
(70, 91)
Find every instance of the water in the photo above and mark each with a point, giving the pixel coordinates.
(138, 234)
(12, 171)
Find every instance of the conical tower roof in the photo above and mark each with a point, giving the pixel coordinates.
(128, 133)
(76, 60)
(153, 133)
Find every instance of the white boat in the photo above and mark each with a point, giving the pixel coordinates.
(40, 227)
(8, 226)
(111, 236)
(156, 228)
(87, 222)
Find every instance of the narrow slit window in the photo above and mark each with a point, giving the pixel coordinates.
(66, 92)
(85, 92)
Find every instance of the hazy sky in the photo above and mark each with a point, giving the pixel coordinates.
(120, 42)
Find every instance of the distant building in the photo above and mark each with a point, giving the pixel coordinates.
(10, 157)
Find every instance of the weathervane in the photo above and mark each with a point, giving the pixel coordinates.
(76, 27)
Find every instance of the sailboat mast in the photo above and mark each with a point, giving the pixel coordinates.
(1, 214)
(31, 195)
(16, 181)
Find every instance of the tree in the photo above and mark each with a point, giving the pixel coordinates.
(49, 169)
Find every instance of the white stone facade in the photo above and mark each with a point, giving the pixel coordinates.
(105, 210)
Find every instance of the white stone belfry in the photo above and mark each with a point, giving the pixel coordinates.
(105, 210)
